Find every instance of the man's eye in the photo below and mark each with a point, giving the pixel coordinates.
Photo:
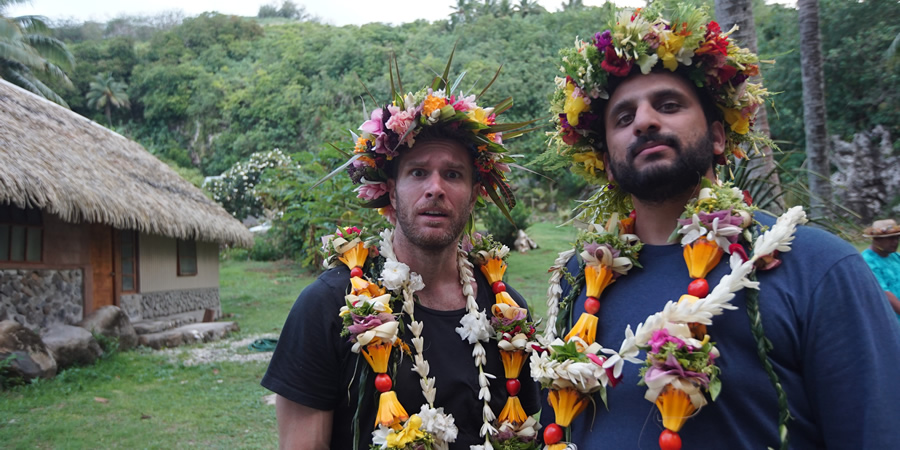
(670, 107)
(417, 172)
(624, 119)
(454, 174)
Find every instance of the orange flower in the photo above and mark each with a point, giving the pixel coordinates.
(363, 287)
(512, 362)
(596, 279)
(567, 404)
(585, 328)
(701, 256)
(675, 407)
(513, 412)
(390, 411)
(377, 354)
(355, 257)
(431, 104)
(494, 269)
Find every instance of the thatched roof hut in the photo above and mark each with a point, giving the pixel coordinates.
(63, 163)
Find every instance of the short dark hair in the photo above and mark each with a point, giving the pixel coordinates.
(433, 133)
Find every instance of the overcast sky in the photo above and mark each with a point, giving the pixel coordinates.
(336, 12)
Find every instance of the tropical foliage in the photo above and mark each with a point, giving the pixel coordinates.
(209, 91)
(30, 55)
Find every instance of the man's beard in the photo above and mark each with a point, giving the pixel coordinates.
(663, 182)
(425, 241)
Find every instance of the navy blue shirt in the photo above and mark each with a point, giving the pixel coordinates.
(836, 352)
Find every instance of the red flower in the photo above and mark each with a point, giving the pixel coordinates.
(619, 67)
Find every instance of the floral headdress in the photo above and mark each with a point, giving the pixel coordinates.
(644, 40)
(394, 127)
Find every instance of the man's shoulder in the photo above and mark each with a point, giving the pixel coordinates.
(332, 281)
(813, 242)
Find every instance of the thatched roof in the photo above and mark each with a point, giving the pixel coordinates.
(63, 163)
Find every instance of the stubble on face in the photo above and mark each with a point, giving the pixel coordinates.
(419, 237)
(661, 182)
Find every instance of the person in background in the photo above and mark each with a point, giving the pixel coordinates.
(883, 259)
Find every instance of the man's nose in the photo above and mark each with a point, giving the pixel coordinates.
(646, 119)
(434, 186)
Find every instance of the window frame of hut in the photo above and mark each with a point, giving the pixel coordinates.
(187, 257)
(21, 235)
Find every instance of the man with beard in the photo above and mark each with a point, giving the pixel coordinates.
(799, 351)
(391, 346)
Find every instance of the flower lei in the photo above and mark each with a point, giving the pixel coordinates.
(373, 327)
(679, 368)
(688, 41)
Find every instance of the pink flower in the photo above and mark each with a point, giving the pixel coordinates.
(373, 125)
(371, 191)
(400, 121)
(464, 104)
(661, 337)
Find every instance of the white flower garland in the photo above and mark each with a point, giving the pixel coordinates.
(474, 328)
(779, 238)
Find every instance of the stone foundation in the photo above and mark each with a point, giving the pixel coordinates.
(41, 298)
(166, 303)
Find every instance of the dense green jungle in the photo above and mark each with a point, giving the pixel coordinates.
(207, 92)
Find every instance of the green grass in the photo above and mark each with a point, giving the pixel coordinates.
(149, 399)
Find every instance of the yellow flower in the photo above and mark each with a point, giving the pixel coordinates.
(377, 354)
(590, 160)
(409, 434)
(512, 362)
(371, 290)
(701, 257)
(431, 104)
(675, 407)
(596, 279)
(567, 404)
(585, 328)
(479, 115)
(737, 121)
(390, 411)
(574, 105)
(668, 50)
(493, 270)
(355, 257)
(513, 412)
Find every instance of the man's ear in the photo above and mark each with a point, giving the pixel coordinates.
(609, 174)
(717, 133)
(391, 187)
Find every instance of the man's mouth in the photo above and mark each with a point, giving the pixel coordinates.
(433, 213)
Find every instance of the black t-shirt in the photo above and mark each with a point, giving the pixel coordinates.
(312, 365)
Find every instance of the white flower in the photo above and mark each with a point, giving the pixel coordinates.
(720, 234)
(693, 231)
(440, 425)
(380, 434)
(475, 328)
(394, 275)
(415, 282)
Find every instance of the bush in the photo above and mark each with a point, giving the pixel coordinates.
(499, 226)
(266, 248)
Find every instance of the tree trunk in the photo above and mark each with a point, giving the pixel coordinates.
(812, 75)
(109, 115)
(740, 13)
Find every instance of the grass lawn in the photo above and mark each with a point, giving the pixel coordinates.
(157, 399)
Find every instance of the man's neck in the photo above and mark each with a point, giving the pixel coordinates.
(655, 221)
(439, 272)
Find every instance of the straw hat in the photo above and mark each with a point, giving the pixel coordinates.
(882, 228)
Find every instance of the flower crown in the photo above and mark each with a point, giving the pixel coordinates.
(688, 42)
(394, 127)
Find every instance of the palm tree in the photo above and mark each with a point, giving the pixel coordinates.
(29, 54)
(462, 13)
(740, 13)
(572, 5)
(812, 74)
(529, 7)
(106, 93)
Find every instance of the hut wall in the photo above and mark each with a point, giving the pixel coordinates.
(52, 291)
(163, 292)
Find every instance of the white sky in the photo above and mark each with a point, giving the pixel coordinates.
(336, 12)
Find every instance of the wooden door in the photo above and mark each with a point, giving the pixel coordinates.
(102, 266)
